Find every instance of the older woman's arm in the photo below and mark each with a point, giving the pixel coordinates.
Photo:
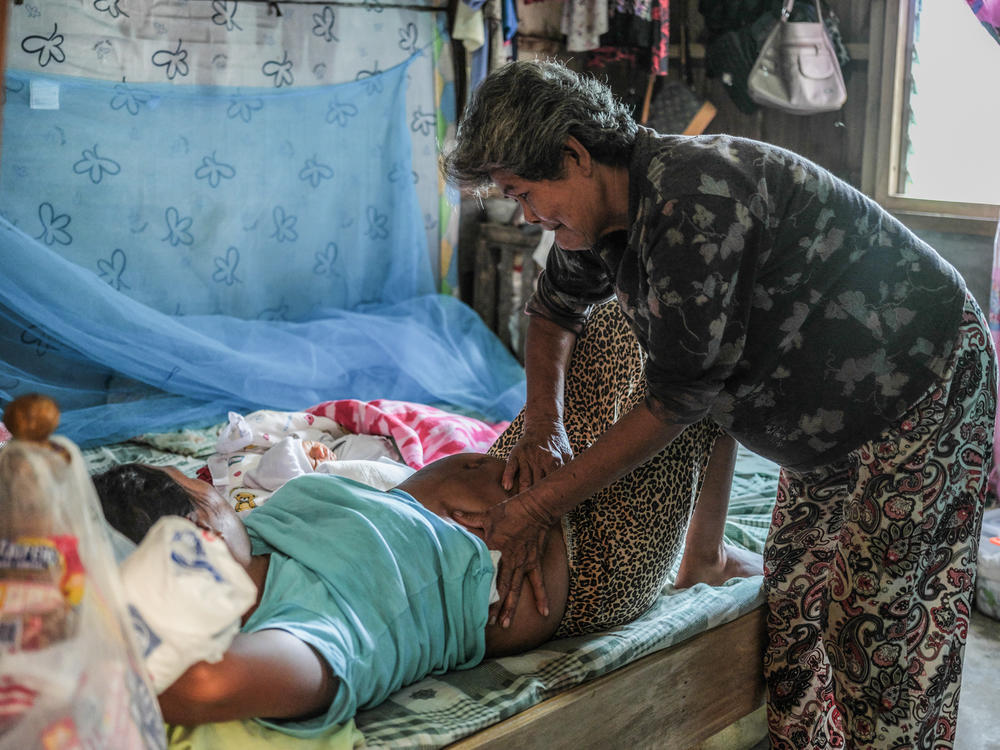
(518, 526)
(268, 673)
(543, 446)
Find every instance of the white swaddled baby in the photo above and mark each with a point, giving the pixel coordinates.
(258, 453)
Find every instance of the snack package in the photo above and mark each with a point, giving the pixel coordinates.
(71, 674)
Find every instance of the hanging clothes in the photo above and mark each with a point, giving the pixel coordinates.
(583, 23)
(637, 31)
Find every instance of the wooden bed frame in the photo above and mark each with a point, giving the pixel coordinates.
(674, 698)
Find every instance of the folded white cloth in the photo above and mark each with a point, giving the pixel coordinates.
(260, 430)
(382, 474)
(285, 460)
(185, 594)
(364, 448)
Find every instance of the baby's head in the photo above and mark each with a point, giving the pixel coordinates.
(465, 481)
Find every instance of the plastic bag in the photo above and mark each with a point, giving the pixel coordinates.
(71, 674)
(186, 594)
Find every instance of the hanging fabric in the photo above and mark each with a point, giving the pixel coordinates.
(257, 203)
(583, 23)
(611, 32)
(673, 106)
(173, 252)
(988, 13)
(237, 44)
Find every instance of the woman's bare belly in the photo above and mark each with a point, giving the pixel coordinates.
(471, 482)
(528, 628)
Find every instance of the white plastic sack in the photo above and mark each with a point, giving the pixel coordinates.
(186, 594)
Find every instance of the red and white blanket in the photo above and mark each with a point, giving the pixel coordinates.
(422, 433)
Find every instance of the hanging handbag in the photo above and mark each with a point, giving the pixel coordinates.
(797, 70)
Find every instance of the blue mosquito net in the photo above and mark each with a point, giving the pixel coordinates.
(168, 253)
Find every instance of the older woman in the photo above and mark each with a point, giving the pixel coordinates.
(785, 306)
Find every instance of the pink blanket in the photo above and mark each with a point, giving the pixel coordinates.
(422, 433)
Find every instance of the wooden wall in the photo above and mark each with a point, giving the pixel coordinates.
(844, 142)
(834, 140)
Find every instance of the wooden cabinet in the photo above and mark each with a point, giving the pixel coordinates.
(504, 277)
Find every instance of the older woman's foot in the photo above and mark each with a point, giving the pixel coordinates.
(717, 566)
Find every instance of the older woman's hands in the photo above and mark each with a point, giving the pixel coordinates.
(542, 448)
(517, 528)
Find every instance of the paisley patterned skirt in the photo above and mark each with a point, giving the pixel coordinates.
(870, 567)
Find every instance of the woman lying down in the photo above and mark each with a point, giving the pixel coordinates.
(360, 592)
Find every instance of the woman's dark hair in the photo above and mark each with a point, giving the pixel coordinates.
(135, 496)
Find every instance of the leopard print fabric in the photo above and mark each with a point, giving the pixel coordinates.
(622, 541)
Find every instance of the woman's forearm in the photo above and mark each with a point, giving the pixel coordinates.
(634, 439)
(267, 673)
(547, 350)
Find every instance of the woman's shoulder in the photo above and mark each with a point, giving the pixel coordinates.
(721, 164)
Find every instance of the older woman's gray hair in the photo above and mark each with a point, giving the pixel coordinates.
(520, 117)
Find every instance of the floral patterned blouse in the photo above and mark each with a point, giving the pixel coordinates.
(768, 294)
